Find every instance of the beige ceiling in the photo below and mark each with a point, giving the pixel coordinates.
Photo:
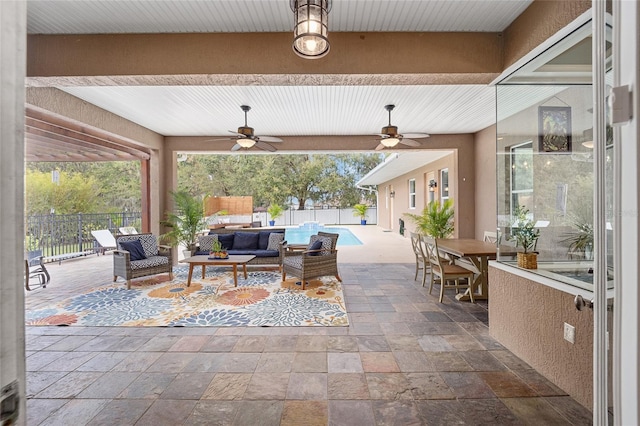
(283, 110)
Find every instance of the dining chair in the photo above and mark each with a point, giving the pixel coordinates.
(446, 271)
(491, 237)
(422, 263)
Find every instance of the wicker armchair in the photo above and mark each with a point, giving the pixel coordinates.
(158, 259)
(309, 264)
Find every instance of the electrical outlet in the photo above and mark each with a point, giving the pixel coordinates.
(569, 333)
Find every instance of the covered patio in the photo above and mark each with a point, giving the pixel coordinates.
(404, 359)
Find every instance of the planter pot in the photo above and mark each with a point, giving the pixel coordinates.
(363, 221)
(186, 253)
(528, 260)
(272, 223)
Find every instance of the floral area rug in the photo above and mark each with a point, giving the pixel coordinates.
(261, 300)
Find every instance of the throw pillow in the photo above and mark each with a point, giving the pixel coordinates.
(263, 242)
(136, 252)
(316, 245)
(325, 241)
(275, 238)
(205, 242)
(245, 241)
(226, 240)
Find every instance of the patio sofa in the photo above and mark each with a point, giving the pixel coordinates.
(265, 244)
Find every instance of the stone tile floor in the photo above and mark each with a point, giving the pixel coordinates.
(405, 359)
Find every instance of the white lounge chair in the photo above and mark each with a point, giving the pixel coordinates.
(105, 240)
(127, 230)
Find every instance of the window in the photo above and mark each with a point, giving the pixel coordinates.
(444, 185)
(412, 193)
(521, 162)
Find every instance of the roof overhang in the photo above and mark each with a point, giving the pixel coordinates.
(398, 164)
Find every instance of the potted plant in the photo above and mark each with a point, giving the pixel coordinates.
(360, 210)
(275, 211)
(186, 222)
(526, 236)
(218, 251)
(436, 219)
(580, 239)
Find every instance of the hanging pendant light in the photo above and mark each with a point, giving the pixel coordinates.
(311, 20)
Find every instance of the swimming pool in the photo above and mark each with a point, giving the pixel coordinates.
(302, 234)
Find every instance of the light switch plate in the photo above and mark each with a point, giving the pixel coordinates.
(569, 333)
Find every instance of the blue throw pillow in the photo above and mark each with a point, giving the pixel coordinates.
(316, 245)
(226, 240)
(136, 252)
(245, 241)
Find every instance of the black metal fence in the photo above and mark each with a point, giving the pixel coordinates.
(59, 235)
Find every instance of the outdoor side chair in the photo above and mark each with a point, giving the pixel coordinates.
(155, 260)
(312, 263)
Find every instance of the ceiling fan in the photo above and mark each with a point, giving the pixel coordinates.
(390, 136)
(245, 138)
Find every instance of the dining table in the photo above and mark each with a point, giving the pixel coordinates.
(475, 255)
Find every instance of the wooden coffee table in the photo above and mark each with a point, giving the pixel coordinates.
(205, 260)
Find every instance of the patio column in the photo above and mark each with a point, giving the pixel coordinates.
(13, 20)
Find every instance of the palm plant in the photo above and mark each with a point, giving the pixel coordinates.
(436, 220)
(275, 211)
(581, 239)
(186, 222)
(360, 210)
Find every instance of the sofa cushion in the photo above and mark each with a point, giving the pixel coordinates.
(245, 241)
(263, 242)
(256, 253)
(205, 242)
(226, 240)
(136, 252)
(274, 240)
(266, 253)
(149, 242)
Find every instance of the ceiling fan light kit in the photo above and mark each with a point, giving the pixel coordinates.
(390, 142)
(311, 22)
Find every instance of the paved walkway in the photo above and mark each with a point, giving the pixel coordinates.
(405, 359)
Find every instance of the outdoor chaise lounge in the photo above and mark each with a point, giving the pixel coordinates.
(140, 255)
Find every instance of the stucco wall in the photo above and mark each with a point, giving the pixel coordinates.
(390, 210)
(528, 319)
(485, 188)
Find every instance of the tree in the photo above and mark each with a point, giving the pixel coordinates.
(74, 194)
(117, 183)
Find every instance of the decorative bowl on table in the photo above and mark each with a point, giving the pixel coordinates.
(219, 255)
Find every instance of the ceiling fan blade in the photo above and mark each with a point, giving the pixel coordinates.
(265, 146)
(415, 135)
(236, 147)
(220, 139)
(380, 147)
(410, 142)
(237, 134)
(269, 139)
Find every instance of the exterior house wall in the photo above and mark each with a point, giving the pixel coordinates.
(395, 208)
(462, 178)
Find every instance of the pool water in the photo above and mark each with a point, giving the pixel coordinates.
(302, 235)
